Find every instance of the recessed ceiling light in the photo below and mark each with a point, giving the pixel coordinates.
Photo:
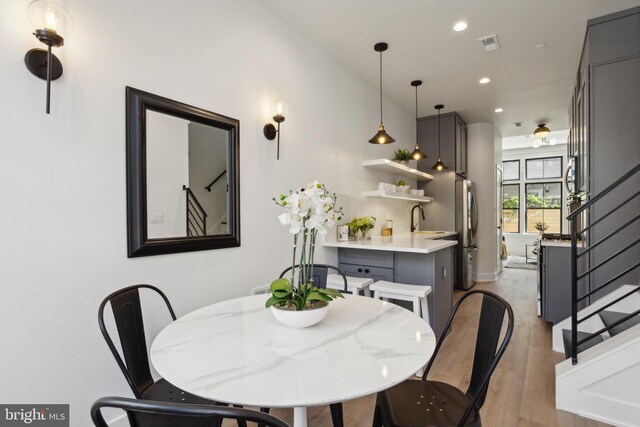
(499, 110)
(484, 80)
(460, 26)
(540, 46)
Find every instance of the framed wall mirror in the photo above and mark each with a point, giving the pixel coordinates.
(183, 177)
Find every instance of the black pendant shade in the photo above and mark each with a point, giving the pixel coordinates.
(382, 137)
(439, 164)
(417, 154)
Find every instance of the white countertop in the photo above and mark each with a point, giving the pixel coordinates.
(407, 242)
(559, 243)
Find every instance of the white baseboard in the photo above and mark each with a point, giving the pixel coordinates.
(485, 277)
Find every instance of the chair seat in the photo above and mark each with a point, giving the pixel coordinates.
(335, 281)
(164, 391)
(401, 288)
(421, 403)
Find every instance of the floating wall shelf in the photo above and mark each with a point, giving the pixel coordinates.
(396, 168)
(397, 196)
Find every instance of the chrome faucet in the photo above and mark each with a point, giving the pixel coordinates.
(414, 226)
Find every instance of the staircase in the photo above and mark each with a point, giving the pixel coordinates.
(601, 342)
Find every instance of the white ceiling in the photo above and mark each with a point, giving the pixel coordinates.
(532, 85)
(526, 141)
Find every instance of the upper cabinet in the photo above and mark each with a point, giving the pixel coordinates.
(453, 142)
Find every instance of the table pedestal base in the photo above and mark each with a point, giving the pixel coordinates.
(300, 416)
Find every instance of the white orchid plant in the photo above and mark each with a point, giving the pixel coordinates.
(308, 211)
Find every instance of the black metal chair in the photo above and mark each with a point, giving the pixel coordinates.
(432, 403)
(320, 273)
(149, 413)
(127, 313)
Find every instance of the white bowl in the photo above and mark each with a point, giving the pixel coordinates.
(414, 192)
(300, 319)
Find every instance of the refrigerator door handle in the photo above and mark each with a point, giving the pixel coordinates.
(474, 215)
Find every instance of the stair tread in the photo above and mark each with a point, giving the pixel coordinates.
(566, 338)
(609, 317)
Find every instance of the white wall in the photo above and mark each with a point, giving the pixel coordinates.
(483, 148)
(63, 222)
(516, 241)
(167, 172)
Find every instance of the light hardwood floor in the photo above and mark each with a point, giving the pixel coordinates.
(522, 389)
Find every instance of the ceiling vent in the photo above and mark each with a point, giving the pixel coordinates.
(490, 42)
(518, 124)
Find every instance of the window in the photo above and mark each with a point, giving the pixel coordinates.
(511, 170)
(544, 205)
(548, 167)
(511, 208)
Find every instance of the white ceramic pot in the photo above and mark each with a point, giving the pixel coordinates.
(300, 319)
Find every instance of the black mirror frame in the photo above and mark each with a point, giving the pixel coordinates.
(138, 243)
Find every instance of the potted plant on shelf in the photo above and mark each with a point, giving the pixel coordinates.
(296, 301)
(402, 156)
(363, 226)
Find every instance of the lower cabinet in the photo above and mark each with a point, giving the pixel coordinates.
(435, 270)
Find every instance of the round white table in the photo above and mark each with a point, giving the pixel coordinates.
(236, 352)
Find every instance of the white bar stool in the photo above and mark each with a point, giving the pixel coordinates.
(354, 284)
(399, 291)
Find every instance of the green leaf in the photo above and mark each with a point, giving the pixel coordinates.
(274, 300)
(281, 293)
(335, 293)
(280, 284)
(317, 296)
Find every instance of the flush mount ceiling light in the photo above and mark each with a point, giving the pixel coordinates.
(278, 110)
(439, 164)
(484, 80)
(417, 154)
(499, 110)
(541, 131)
(50, 22)
(381, 137)
(460, 26)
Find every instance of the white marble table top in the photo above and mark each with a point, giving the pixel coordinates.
(236, 352)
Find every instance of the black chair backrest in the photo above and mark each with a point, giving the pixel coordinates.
(320, 272)
(127, 313)
(487, 354)
(148, 413)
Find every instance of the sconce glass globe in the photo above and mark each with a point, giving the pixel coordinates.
(553, 141)
(537, 143)
(279, 108)
(46, 16)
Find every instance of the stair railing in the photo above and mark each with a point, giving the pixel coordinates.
(208, 187)
(196, 216)
(575, 256)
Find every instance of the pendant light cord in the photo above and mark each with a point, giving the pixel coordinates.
(416, 114)
(438, 133)
(381, 88)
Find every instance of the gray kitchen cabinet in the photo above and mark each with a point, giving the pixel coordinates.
(377, 265)
(555, 283)
(605, 137)
(432, 269)
(453, 142)
(435, 271)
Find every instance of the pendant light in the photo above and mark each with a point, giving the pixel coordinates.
(439, 164)
(417, 154)
(381, 137)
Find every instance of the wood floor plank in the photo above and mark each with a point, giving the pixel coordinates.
(522, 390)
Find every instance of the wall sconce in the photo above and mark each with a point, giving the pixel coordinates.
(278, 110)
(49, 21)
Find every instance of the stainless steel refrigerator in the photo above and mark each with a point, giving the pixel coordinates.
(466, 227)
